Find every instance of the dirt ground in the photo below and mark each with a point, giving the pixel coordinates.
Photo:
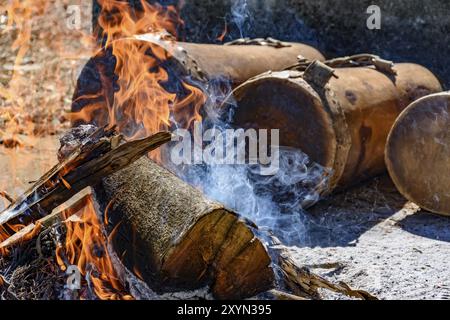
(379, 242)
(23, 165)
(41, 55)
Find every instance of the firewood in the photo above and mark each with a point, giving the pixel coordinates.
(341, 123)
(174, 238)
(94, 158)
(200, 62)
(305, 283)
(34, 229)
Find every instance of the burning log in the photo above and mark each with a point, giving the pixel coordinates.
(338, 115)
(163, 229)
(174, 238)
(417, 153)
(95, 157)
(171, 65)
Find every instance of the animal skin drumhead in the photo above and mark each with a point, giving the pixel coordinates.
(418, 153)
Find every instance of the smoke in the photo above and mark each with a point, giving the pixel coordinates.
(274, 202)
(240, 16)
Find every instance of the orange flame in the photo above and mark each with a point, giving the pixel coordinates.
(141, 106)
(30, 71)
(119, 20)
(20, 14)
(4, 234)
(222, 36)
(9, 230)
(86, 247)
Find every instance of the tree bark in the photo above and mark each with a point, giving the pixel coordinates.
(173, 238)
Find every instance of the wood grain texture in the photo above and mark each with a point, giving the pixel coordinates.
(343, 126)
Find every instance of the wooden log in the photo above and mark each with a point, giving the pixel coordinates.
(174, 238)
(418, 153)
(165, 230)
(183, 62)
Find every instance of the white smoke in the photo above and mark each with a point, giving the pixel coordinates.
(275, 203)
(240, 15)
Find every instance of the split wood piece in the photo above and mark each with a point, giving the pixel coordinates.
(93, 159)
(174, 238)
(305, 283)
(34, 229)
(418, 153)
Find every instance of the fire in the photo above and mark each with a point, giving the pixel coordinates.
(86, 247)
(5, 232)
(141, 105)
(20, 14)
(224, 33)
(119, 20)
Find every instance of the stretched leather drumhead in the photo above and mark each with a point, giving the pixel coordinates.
(418, 153)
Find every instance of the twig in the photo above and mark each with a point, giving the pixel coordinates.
(280, 295)
(6, 195)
